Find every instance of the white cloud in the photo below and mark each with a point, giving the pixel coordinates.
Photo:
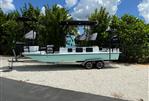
(60, 6)
(7, 5)
(85, 7)
(143, 8)
(70, 3)
(43, 11)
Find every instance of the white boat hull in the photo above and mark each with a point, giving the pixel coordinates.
(56, 57)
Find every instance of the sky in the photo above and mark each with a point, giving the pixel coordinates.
(81, 9)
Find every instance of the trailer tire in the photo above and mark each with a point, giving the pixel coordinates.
(99, 64)
(89, 65)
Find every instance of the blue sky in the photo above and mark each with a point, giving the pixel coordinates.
(37, 3)
(80, 9)
(126, 6)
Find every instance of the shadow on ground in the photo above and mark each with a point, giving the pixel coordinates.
(50, 67)
(12, 90)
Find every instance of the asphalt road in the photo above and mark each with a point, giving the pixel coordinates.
(11, 90)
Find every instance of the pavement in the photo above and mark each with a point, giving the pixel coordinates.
(12, 90)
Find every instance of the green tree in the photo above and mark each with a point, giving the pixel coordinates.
(10, 31)
(132, 33)
(3, 19)
(103, 18)
(50, 29)
(33, 13)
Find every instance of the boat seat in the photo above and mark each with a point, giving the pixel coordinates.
(31, 48)
(50, 48)
(26, 48)
(42, 48)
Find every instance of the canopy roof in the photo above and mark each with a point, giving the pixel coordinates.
(80, 23)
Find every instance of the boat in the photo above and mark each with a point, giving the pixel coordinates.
(87, 56)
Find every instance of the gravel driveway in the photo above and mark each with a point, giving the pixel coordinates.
(125, 81)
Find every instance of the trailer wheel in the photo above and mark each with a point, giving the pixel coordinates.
(88, 65)
(99, 64)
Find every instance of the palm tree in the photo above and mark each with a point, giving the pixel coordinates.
(51, 31)
(103, 18)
